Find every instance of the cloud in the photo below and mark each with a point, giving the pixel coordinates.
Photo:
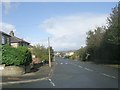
(69, 32)
(5, 27)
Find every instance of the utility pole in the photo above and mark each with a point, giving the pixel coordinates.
(49, 52)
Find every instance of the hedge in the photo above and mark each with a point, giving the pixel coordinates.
(16, 56)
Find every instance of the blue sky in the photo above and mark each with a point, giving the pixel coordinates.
(35, 21)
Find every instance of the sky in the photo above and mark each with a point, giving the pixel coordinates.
(66, 23)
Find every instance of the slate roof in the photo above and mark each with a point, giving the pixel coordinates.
(1, 32)
(14, 39)
(17, 40)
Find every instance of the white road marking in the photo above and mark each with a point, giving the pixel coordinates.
(108, 75)
(51, 82)
(25, 81)
(66, 63)
(88, 69)
(61, 63)
(113, 76)
(80, 66)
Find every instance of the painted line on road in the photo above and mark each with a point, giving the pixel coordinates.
(108, 75)
(61, 63)
(25, 81)
(113, 77)
(51, 82)
(66, 63)
(88, 69)
(80, 66)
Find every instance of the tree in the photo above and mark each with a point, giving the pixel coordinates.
(94, 40)
(42, 53)
(113, 32)
(103, 43)
(80, 54)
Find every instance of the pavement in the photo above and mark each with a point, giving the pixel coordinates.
(41, 74)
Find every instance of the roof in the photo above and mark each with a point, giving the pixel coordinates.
(5, 33)
(17, 40)
(14, 39)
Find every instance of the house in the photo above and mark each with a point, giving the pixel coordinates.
(69, 53)
(15, 41)
(4, 38)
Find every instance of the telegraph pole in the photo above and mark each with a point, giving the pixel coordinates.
(49, 52)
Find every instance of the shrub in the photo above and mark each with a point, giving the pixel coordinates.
(16, 56)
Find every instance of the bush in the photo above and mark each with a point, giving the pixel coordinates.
(16, 56)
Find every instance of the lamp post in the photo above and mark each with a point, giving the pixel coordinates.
(49, 52)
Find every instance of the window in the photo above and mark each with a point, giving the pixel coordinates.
(3, 40)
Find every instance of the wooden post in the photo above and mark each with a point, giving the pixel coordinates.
(49, 52)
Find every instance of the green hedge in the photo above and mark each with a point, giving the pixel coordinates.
(16, 56)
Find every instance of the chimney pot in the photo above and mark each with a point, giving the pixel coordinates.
(12, 33)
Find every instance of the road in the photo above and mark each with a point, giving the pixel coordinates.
(75, 74)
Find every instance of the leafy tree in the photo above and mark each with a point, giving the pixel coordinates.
(80, 54)
(103, 43)
(42, 53)
(94, 40)
(113, 31)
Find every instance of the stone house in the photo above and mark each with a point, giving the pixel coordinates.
(15, 41)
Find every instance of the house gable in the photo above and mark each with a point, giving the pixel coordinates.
(4, 38)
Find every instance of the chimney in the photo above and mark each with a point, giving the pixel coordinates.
(12, 33)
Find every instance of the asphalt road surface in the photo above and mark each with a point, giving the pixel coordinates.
(75, 74)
